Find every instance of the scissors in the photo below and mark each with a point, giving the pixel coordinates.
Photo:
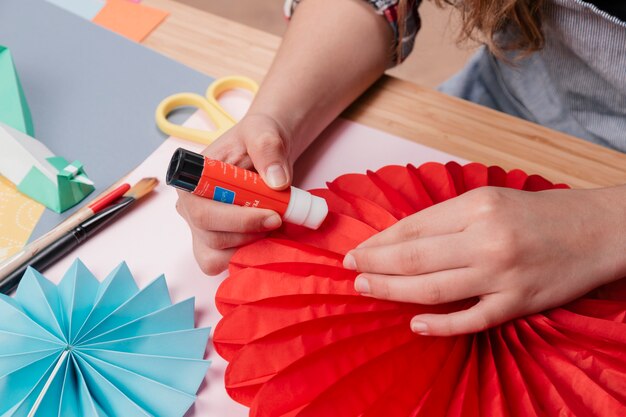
(222, 120)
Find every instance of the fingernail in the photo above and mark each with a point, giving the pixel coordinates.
(272, 222)
(419, 327)
(276, 176)
(349, 262)
(361, 285)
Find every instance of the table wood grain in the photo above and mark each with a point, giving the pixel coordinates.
(219, 47)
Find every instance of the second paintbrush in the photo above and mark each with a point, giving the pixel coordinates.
(75, 237)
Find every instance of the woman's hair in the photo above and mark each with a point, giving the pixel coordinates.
(483, 20)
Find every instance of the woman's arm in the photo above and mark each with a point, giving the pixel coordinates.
(332, 51)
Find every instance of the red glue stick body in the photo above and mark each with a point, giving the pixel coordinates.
(230, 184)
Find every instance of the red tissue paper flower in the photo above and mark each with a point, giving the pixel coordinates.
(301, 342)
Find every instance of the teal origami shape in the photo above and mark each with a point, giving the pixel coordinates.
(14, 109)
(91, 349)
(38, 173)
(71, 185)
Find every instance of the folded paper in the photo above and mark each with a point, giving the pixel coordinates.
(130, 19)
(18, 213)
(38, 173)
(26, 162)
(301, 342)
(14, 109)
(91, 349)
(18, 216)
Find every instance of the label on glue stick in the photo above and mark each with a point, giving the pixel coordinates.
(233, 185)
(229, 184)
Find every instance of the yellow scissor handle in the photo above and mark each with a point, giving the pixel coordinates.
(233, 82)
(221, 119)
(209, 104)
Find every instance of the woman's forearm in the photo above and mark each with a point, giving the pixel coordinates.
(614, 213)
(332, 51)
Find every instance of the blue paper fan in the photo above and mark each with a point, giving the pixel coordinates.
(85, 348)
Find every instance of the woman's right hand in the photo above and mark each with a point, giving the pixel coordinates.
(257, 142)
(312, 80)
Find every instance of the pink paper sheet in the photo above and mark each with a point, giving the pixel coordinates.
(153, 239)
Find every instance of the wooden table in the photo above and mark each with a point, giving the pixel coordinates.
(219, 47)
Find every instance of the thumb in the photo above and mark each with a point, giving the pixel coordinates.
(269, 156)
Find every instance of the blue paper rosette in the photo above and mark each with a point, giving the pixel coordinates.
(89, 348)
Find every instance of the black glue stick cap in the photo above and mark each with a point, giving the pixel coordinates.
(185, 170)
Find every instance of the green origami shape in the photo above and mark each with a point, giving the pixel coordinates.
(60, 185)
(71, 188)
(14, 109)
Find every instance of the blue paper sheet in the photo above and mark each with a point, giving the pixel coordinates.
(87, 9)
(85, 348)
(92, 93)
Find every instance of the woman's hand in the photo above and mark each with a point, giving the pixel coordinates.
(257, 142)
(312, 80)
(518, 252)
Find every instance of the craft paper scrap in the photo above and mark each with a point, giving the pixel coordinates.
(38, 173)
(98, 349)
(14, 109)
(292, 316)
(18, 216)
(133, 20)
(87, 9)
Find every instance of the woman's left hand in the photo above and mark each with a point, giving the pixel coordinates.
(518, 252)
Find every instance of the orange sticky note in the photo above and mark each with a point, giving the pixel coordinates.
(133, 20)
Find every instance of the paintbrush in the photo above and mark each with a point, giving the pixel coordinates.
(33, 248)
(73, 238)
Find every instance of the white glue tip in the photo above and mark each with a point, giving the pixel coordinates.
(305, 209)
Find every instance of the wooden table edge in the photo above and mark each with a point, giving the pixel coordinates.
(217, 46)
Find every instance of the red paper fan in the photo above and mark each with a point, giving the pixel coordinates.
(301, 341)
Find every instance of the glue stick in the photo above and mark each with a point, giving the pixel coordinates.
(230, 184)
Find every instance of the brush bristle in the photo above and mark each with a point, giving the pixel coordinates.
(143, 187)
